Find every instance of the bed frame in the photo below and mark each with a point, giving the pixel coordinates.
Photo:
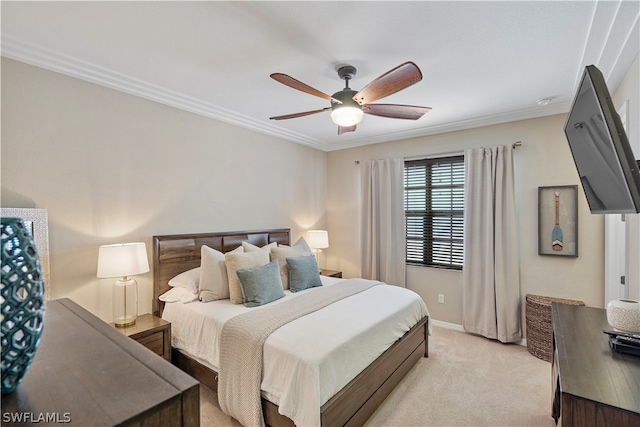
(355, 402)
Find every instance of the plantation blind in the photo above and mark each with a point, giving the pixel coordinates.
(434, 208)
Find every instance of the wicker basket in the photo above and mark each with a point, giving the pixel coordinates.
(539, 327)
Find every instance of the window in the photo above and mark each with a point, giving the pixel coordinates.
(434, 208)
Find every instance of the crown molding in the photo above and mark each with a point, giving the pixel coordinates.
(52, 60)
(58, 62)
(612, 47)
(476, 122)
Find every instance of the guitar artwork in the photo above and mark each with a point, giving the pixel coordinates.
(556, 234)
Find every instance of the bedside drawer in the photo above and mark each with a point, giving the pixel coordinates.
(331, 273)
(154, 342)
(152, 332)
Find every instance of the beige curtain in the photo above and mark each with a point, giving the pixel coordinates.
(383, 238)
(491, 276)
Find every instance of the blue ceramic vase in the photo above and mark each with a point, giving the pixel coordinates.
(22, 302)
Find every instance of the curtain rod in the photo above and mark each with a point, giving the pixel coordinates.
(445, 154)
(441, 154)
(450, 153)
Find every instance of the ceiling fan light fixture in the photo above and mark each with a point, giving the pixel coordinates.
(346, 116)
(349, 112)
(348, 106)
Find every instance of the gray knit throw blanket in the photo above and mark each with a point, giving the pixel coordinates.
(242, 342)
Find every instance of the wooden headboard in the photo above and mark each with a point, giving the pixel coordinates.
(176, 253)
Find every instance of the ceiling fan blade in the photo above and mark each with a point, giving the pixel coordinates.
(296, 84)
(294, 115)
(395, 111)
(392, 81)
(345, 129)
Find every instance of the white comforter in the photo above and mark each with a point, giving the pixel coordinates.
(308, 360)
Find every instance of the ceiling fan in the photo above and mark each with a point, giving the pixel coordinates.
(348, 105)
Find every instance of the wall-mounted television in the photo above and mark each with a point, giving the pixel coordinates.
(608, 170)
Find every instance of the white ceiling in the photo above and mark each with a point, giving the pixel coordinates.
(482, 62)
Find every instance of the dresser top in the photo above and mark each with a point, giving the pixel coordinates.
(588, 368)
(86, 370)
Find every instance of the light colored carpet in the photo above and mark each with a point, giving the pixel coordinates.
(466, 381)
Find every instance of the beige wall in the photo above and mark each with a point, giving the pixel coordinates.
(544, 159)
(112, 167)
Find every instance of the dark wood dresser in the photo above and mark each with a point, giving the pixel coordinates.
(592, 385)
(86, 373)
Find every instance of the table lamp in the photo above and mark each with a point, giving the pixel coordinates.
(317, 240)
(123, 260)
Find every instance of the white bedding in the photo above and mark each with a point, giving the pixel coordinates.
(308, 360)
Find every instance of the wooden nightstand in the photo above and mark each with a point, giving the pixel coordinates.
(331, 273)
(152, 332)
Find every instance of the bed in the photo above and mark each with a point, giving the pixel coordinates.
(353, 403)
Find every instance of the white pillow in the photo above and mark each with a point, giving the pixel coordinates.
(238, 261)
(248, 247)
(214, 284)
(189, 280)
(180, 295)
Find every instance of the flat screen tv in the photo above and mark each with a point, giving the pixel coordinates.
(606, 165)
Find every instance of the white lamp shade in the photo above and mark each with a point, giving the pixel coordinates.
(347, 116)
(122, 259)
(318, 239)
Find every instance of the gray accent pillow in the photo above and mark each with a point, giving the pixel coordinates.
(261, 285)
(236, 261)
(281, 252)
(303, 273)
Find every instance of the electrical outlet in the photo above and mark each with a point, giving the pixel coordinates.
(441, 298)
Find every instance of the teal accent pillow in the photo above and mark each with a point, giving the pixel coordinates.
(261, 285)
(303, 273)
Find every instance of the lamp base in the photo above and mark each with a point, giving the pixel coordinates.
(125, 302)
(125, 321)
(317, 253)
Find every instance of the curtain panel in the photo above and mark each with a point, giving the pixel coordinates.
(383, 236)
(491, 275)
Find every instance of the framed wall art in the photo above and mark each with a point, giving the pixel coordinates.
(37, 222)
(558, 220)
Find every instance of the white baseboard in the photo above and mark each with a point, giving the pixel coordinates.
(447, 325)
(459, 328)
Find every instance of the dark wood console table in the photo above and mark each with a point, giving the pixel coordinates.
(592, 385)
(86, 373)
